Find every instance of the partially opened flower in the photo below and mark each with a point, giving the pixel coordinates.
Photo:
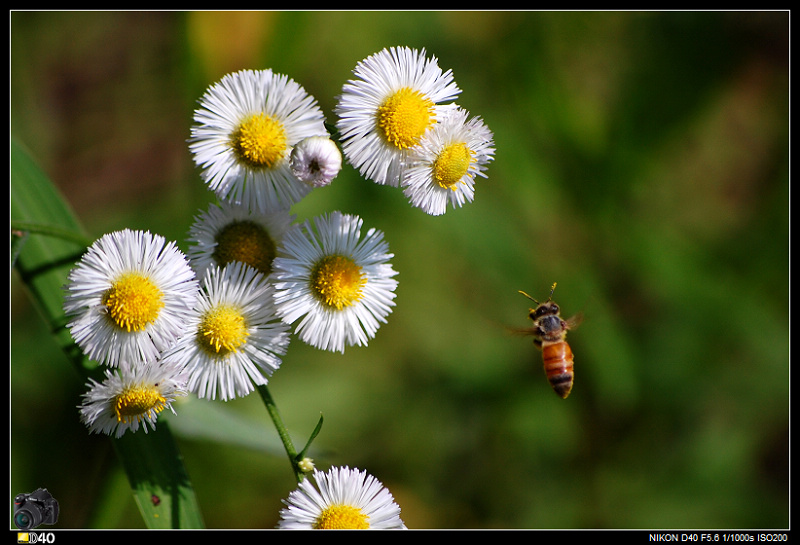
(396, 98)
(243, 135)
(343, 499)
(128, 297)
(131, 395)
(233, 232)
(316, 161)
(338, 285)
(443, 167)
(233, 339)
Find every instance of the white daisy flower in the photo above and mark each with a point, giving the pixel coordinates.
(343, 499)
(234, 339)
(131, 395)
(316, 160)
(337, 284)
(129, 297)
(443, 167)
(244, 132)
(232, 232)
(397, 97)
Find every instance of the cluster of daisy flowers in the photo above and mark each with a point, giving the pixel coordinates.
(136, 307)
(396, 123)
(216, 321)
(128, 299)
(399, 127)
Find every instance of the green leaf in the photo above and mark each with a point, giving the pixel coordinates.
(313, 436)
(47, 240)
(43, 262)
(158, 478)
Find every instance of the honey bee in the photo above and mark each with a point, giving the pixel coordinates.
(550, 331)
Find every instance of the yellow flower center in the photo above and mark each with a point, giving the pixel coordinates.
(341, 517)
(451, 165)
(337, 281)
(404, 117)
(137, 402)
(222, 330)
(259, 141)
(246, 242)
(133, 301)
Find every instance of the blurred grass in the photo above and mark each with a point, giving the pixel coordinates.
(642, 163)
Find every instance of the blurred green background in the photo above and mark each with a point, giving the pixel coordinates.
(641, 163)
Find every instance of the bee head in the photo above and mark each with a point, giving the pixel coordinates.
(543, 309)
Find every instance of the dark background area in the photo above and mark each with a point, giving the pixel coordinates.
(641, 163)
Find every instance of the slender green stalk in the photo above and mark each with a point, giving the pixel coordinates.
(272, 409)
(50, 230)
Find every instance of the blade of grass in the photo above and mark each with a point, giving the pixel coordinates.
(43, 262)
(158, 478)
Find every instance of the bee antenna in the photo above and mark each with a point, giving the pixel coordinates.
(552, 290)
(529, 297)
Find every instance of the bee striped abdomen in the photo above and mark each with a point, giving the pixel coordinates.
(558, 366)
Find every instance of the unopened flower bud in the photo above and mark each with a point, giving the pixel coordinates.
(316, 161)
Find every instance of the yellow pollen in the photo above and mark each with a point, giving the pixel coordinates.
(133, 301)
(137, 402)
(246, 242)
(222, 330)
(404, 117)
(451, 165)
(342, 517)
(259, 141)
(337, 281)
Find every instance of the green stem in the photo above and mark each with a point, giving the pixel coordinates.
(272, 409)
(49, 230)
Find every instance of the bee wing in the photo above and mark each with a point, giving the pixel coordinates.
(527, 332)
(522, 331)
(574, 321)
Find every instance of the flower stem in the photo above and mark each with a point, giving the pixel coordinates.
(50, 230)
(272, 409)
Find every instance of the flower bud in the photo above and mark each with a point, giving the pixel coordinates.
(306, 465)
(316, 161)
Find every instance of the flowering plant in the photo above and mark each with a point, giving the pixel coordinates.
(148, 324)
